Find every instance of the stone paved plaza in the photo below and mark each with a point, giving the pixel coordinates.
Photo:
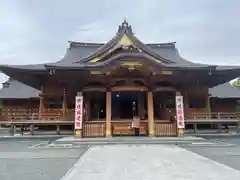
(149, 162)
(45, 158)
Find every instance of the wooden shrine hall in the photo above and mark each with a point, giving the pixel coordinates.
(116, 81)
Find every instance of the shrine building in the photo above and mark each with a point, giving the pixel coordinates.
(116, 81)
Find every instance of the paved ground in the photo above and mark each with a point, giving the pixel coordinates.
(228, 155)
(18, 162)
(35, 159)
(124, 162)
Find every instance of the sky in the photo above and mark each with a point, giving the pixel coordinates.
(33, 31)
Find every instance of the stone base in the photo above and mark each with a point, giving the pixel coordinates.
(151, 134)
(180, 132)
(78, 133)
(108, 134)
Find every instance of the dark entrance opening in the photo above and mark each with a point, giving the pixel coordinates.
(124, 105)
(97, 105)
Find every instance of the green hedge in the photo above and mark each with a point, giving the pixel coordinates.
(236, 83)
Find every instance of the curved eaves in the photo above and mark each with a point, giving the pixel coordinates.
(222, 68)
(24, 76)
(148, 50)
(119, 57)
(100, 50)
(35, 67)
(73, 54)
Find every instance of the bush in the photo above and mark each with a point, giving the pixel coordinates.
(236, 83)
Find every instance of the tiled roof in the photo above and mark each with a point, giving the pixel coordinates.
(225, 90)
(13, 89)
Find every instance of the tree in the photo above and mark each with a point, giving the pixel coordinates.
(236, 83)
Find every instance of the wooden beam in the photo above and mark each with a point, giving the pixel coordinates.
(94, 89)
(129, 88)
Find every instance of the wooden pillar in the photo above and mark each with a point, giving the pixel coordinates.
(87, 106)
(208, 106)
(209, 110)
(78, 132)
(141, 105)
(185, 102)
(64, 103)
(41, 107)
(150, 114)
(108, 114)
(41, 103)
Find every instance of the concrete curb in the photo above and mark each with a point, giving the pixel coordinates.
(217, 135)
(104, 139)
(128, 141)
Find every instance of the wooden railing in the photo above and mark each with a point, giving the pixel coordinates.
(213, 116)
(19, 114)
(215, 119)
(28, 117)
(51, 114)
(122, 128)
(94, 128)
(165, 128)
(15, 114)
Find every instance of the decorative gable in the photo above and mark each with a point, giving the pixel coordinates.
(96, 59)
(123, 46)
(125, 41)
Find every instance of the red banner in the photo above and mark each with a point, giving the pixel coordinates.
(78, 112)
(180, 112)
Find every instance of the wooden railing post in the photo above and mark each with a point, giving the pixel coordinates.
(12, 129)
(31, 127)
(218, 125)
(195, 127)
(58, 129)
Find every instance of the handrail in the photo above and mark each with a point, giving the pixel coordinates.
(36, 122)
(32, 114)
(58, 114)
(214, 115)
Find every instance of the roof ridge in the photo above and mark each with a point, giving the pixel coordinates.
(168, 44)
(81, 43)
(75, 43)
